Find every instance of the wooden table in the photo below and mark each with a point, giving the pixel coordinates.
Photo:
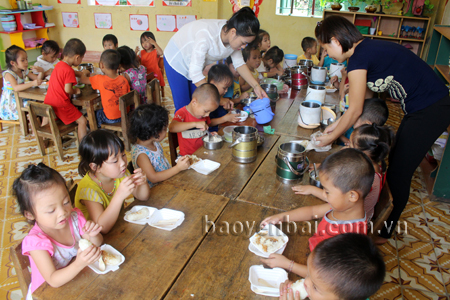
(153, 257)
(88, 102)
(220, 267)
(230, 178)
(265, 189)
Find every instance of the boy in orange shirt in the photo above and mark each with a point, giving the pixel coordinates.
(111, 87)
(150, 55)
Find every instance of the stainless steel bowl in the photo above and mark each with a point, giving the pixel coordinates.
(212, 145)
(86, 66)
(249, 100)
(313, 181)
(271, 91)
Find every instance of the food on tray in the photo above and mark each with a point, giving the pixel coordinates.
(264, 283)
(330, 87)
(138, 215)
(84, 244)
(193, 159)
(168, 222)
(214, 139)
(299, 286)
(111, 259)
(267, 243)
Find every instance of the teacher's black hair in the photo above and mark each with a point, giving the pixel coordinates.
(244, 21)
(339, 28)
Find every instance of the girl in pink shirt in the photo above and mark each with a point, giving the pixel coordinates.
(52, 243)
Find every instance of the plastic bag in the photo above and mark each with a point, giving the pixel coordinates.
(313, 143)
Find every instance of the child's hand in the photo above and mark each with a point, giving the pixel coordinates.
(344, 72)
(125, 188)
(333, 79)
(275, 219)
(36, 82)
(92, 228)
(280, 72)
(201, 125)
(346, 88)
(139, 177)
(302, 189)
(244, 96)
(88, 256)
(76, 91)
(183, 163)
(286, 292)
(226, 103)
(324, 53)
(276, 261)
(37, 69)
(86, 73)
(136, 50)
(234, 118)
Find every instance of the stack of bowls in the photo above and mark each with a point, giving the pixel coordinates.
(9, 23)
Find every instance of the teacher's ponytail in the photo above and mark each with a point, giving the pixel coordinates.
(244, 21)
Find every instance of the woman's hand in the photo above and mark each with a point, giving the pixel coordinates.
(260, 92)
(330, 128)
(325, 140)
(92, 228)
(276, 261)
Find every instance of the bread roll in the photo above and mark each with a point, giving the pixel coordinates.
(84, 244)
(138, 215)
(111, 259)
(299, 286)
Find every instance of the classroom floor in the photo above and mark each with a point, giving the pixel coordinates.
(417, 261)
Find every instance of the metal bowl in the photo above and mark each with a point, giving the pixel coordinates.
(260, 140)
(212, 145)
(247, 101)
(313, 181)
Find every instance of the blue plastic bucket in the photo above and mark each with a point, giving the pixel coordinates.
(262, 111)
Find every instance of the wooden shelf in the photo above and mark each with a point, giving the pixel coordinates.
(444, 70)
(445, 31)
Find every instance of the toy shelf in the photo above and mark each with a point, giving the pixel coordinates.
(18, 36)
(390, 27)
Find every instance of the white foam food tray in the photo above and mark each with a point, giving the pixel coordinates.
(266, 281)
(166, 219)
(205, 166)
(109, 249)
(137, 208)
(272, 231)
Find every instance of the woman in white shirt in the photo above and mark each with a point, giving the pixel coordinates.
(204, 42)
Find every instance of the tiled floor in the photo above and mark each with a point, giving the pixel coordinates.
(417, 261)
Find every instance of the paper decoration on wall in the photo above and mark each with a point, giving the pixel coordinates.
(177, 3)
(103, 21)
(107, 2)
(253, 4)
(166, 23)
(140, 3)
(184, 19)
(139, 22)
(69, 1)
(70, 19)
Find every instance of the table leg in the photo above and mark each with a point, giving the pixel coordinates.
(89, 106)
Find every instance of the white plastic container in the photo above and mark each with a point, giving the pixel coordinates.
(310, 112)
(109, 249)
(316, 92)
(228, 133)
(141, 221)
(266, 281)
(335, 70)
(272, 231)
(318, 75)
(166, 214)
(290, 60)
(206, 166)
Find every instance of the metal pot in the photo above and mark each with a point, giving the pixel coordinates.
(308, 63)
(291, 161)
(299, 77)
(212, 145)
(313, 181)
(271, 91)
(244, 144)
(249, 100)
(86, 66)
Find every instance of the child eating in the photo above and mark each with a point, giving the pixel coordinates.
(48, 59)
(234, 91)
(271, 61)
(195, 115)
(346, 177)
(309, 46)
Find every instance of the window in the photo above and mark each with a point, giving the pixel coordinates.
(299, 8)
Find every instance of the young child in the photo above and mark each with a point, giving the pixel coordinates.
(234, 91)
(263, 41)
(60, 86)
(135, 74)
(106, 182)
(148, 127)
(346, 177)
(375, 141)
(309, 46)
(345, 267)
(271, 61)
(14, 81)
(195, 115)
(221, 77)
(110, 42)
(252, 57)
(111, 87)
(52, 243)
(150, 55)
(48, 59)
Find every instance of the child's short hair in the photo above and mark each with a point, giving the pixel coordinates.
(375, 111)
(206, 91)
(308, 42)
(50, 47)
(111, 59)
(11, 55)
(349, 170)
(275, 54)
(341, 29)
(96, 147)
(33, 179)
(127, 57)
(248, 50)
(110, 38)
(74, 47)
(229, 60)
(373, 140)
(244, 21)
(350, 264)
(147, 121)
(220, 73)
(147, 34)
